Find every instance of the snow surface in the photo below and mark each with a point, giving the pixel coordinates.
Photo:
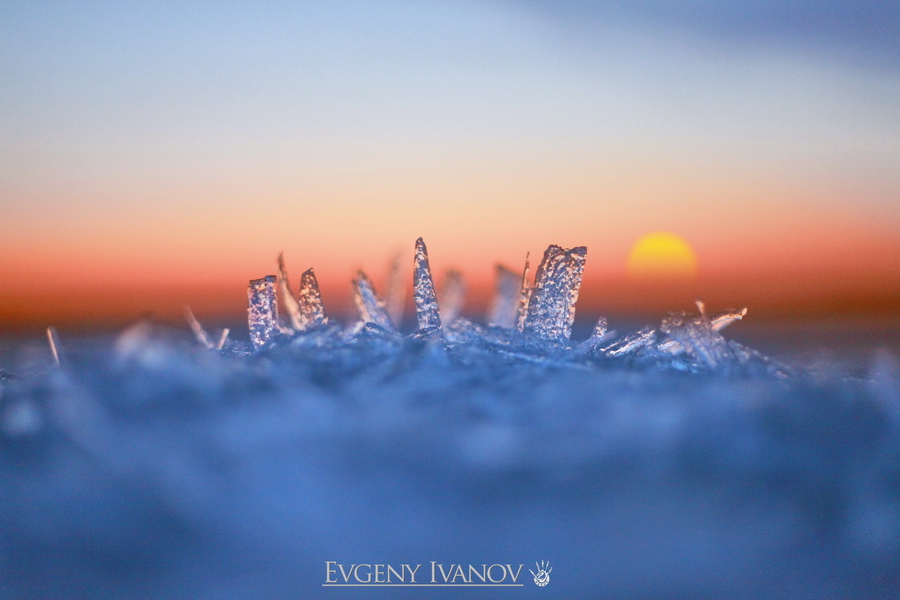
(150, 467)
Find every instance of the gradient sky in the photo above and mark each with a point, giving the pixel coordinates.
(147, 148)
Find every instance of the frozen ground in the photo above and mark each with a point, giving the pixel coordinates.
(147, 466)
(155, 469)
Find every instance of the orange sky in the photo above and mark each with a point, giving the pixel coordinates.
(784, 247)
(151, 159)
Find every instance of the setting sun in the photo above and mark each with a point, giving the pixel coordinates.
(661, 256)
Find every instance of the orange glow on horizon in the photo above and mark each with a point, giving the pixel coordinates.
(203, 246)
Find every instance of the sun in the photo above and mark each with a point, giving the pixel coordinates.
(662, 256)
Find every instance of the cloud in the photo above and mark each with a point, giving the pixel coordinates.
(863, 32)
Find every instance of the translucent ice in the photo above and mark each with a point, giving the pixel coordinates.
(525, 290)
(312, 310)
(632, 343)
(395, 301)
(506, 298)
(197, 329)
(551, 308)
(287, 298)
(725, 318)
(598, 337)
(55, 346)
(427, 311)
(695, 335)
(370, 306)
(452, 295)
(262, 312)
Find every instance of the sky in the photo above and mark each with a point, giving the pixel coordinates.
(160, 154)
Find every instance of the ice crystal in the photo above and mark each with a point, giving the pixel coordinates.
(55, 346)
(551, 307)
(598, 336)
(506, 298)
(527, 322)
(262, 313)
(197, 329)
(312, 310)
(395, 301)
(292, 308)
(725, 318)
(201, 335)
(452, 296)
(369, 304)
(695, 335)
(631, 343)
(525, 290)
(427, 312)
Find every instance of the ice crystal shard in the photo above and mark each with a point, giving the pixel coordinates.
(262, 312)
(371, 308)
(592, 344)
(694, 334)
(506, 298)
(452, 296)
(529, 320)
(395, 301)
(524, 297)
(726, 318)
(551, 308)
(197, 329)
(427, 311)
(312, 310)
(290, 304)
(55, 346)
(631, 343)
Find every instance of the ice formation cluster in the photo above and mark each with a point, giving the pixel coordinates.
(528, 321)
(666, 463)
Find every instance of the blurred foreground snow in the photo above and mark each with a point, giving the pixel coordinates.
(155, 469)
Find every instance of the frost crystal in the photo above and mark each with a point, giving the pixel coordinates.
(598, 336)
(525, 290)
(551, 308)
(395, 302)
(427, 312)
(55, 346)
(287, 298)
(262, 313)
(726, 318)
(452, 296)
(371, 308)
(528, 322)
(631, 343)
(506, 298)
(694, 335)
(312, 310)
(197, 329)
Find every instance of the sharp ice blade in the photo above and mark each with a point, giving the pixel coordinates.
(371, 308)
(287, 298)
(197, 329)
(262, 312)
(311, 308)
(525, 290)
(506, 298)
(551, 308)
(395, 302)
(427, 311)
(453, 296)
